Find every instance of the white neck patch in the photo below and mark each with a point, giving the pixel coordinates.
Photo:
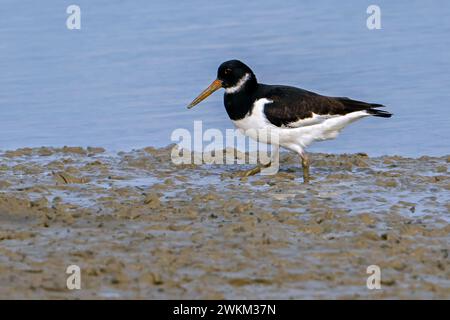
(238, 85)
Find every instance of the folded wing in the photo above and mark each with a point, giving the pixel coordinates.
(293, 107)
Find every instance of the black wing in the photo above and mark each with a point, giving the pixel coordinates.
(292, 104)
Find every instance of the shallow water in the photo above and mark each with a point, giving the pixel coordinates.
(124, 79)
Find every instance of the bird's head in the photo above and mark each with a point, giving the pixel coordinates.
(233, 76)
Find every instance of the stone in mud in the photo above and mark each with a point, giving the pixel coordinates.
(152, 201)
(68, 160)
(45, 152)
(55, 165)
(153, 278)
(15, 235)
(19, 153)
(242, 208)
(40, 203)
(390, 183)
(321, 217)
(72, 170)
(150, 150)
(411, 230)
(119, 278)
(4, 184)
(74, 150)
(311, 228)
(371, 235)
(65, 178)
(362, 154)
(95, 150)
(388, 282)
(367, 218)
(13, 204)
(169, 182)
(359, 162)
(96, 163)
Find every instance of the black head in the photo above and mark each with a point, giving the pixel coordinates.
(232, 72)
(232, 75)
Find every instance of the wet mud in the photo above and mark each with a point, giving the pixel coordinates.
(142, 227)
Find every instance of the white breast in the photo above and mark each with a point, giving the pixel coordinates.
(255, 120)
(255, 124)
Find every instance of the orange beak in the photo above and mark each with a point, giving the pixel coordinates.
(214, 86)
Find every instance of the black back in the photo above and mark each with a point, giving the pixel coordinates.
(289, 104)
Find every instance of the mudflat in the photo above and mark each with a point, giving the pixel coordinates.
(139, 226)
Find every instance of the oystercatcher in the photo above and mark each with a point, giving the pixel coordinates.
(297, 116)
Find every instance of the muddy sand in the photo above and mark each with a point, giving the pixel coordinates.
(141, 227)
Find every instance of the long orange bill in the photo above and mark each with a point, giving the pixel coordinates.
(214, 86)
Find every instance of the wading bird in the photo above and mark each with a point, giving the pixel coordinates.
(297, 117)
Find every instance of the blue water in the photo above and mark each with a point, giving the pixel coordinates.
(123, 81)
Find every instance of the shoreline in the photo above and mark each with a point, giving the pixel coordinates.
(141, 227)
(114, 151)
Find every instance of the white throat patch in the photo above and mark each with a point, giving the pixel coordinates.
(239, 85)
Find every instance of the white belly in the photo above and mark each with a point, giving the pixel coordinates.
(257, 127)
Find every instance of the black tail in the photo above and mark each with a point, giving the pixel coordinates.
(379, 113)
(355, 105)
